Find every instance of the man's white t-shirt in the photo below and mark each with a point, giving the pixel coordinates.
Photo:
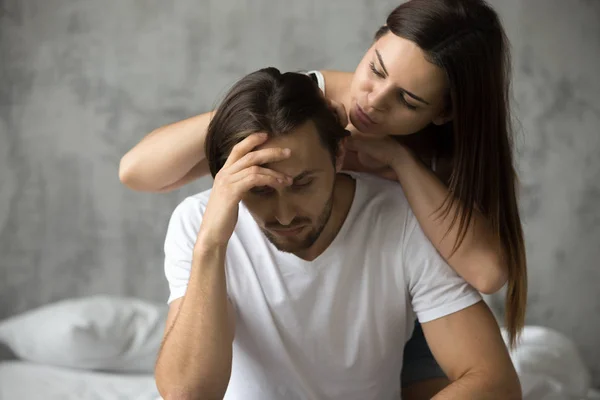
(335, 327)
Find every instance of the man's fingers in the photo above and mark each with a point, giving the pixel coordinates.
(257, 180)
(259, 157)
(244, 147)
(280, 178)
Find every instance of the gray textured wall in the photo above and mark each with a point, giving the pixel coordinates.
(83, 80)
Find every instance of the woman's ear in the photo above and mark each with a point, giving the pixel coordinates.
(445, 114)
(443, 117)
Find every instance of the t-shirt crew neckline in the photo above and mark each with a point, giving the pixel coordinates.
(332, 251)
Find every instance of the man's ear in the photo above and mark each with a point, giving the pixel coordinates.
(341, 154)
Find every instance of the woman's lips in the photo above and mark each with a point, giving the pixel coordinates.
(363, 117)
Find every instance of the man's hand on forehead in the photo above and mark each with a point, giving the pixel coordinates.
(246, 156)
(242, 171)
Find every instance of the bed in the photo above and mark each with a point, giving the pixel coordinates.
(104, 348)
(98, 347)
(31, 381)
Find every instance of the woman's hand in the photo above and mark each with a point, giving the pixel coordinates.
(379, 156)
(354, 161)
(377, 152)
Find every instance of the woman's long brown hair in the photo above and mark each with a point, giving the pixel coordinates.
(466, 39)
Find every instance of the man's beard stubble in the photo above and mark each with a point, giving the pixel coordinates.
(310, 238)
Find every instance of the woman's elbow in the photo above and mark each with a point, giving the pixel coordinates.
(129, 175)
(494, 279)
(126, 171)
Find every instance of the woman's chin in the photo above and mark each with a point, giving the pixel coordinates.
(355, 129)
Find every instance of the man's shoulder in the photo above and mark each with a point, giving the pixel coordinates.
(375, 190)
(377, 183)
(193, 204)
(382, 205)
(199, 198)
(187, 215)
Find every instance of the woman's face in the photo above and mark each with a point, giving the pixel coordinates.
(395, 90)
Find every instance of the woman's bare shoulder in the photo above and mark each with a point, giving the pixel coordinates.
(337, 84)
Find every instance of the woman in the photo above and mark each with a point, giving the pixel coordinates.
(428, 106)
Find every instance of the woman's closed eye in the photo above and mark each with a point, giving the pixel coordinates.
(401, 97)
(375, 70)
(406, 103)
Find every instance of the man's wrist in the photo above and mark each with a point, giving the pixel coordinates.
(206, 247)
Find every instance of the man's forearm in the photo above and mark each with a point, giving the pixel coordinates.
(195, 359)
(478, 387)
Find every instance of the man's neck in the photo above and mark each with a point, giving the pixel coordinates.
(343, 196)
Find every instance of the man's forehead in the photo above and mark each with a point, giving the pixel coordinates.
(303, 137)
(292, 140)
(307, 151)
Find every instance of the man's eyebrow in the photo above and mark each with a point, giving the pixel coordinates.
(306, 173)
(402, 90)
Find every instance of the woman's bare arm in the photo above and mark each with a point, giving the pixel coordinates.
(480, 257)
(168, 157)
(173, 155)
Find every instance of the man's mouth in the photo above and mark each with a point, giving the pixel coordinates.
(287, 231)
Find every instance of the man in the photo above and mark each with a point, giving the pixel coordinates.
(290, 280)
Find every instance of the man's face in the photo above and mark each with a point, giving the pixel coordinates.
(293, 218)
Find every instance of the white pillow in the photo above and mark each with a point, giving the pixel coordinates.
(96, 333)
(549, 364)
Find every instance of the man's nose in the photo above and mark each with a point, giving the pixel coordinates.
(284, 212)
